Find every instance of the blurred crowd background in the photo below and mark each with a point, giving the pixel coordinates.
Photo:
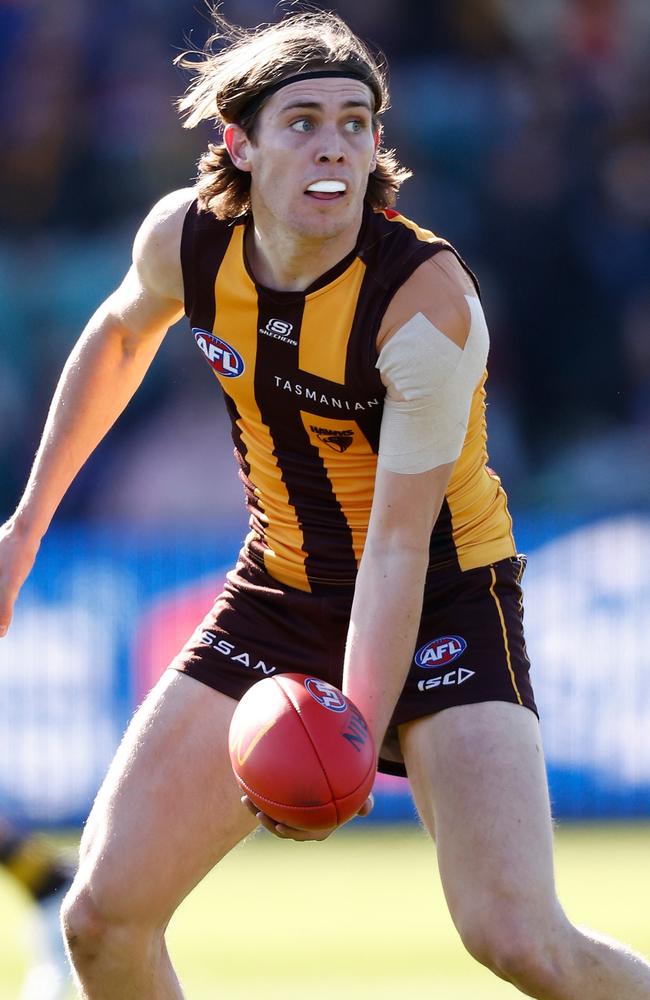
(527, 125)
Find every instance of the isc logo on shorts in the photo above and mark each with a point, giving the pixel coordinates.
(453, 678)
(326, 695)
(440, 652)
(221, 356)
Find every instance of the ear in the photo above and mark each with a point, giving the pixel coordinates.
(377, 139)
(237, 143)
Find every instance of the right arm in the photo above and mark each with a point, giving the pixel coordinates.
(101, 375)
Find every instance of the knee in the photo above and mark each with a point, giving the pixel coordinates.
(83, 924)
(97, 929)
(520, 950)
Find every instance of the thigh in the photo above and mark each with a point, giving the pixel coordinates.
(169, 807)
(478, 778)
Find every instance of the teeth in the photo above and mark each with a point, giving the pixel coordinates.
(327, 187)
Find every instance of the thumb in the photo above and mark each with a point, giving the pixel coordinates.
(6, 612)
(367, 806)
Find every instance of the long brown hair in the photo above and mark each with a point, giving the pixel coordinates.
(238, 65)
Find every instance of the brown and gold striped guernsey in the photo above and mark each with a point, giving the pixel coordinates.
(305, 399)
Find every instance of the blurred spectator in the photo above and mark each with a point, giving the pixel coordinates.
(37, 120)
(636, 348)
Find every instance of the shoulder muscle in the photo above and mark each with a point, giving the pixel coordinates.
(150, 297)
(432, 351)
(437, 289)
(156, 249)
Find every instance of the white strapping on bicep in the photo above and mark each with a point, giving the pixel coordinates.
(429, 383)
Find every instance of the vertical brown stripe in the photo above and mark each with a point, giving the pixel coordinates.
(204, 243)
(327, 540)
(237, 317)
(442, 550)
(350, 464)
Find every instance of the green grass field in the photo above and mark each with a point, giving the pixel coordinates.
(360, 917)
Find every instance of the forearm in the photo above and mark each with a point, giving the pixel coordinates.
(383, 630)
(102, 373)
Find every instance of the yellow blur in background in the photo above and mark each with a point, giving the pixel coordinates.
(360, 917)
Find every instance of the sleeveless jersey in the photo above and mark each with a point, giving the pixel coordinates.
(305, 399)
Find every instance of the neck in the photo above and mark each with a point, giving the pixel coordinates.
(290, 263)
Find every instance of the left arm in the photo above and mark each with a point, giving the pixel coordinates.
(388, 595)
(432, 353)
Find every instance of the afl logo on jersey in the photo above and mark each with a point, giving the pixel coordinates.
(223, 358)
(440, 652)
(326, 695)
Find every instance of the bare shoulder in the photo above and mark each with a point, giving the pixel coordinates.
(437, 290)
(156, 249)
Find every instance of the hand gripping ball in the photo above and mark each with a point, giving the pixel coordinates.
(301, 751)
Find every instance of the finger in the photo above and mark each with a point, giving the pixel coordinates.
(271, 825)
(246, 802)
(367, 806)
(6, 608)
(281, 830)
(285, 832)
(301, 836)
(267, 822)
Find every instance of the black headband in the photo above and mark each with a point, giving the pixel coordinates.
(250, 107)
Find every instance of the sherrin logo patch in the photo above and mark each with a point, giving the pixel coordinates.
(440, 652)
(223, 358)
(326, 695)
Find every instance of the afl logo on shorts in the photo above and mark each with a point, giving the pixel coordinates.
(440, 652)
(326, 695)
(223, 358)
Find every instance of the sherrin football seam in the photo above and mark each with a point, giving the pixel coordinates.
(314, 807)
(318, 756)
(284, 805)
(308, 735)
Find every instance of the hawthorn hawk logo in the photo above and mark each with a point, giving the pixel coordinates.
(336, 440)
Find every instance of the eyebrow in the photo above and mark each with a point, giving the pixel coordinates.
(318, 105)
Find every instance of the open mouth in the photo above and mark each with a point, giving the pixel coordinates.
(327, 190)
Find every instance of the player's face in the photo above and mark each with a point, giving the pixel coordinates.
(313, 150)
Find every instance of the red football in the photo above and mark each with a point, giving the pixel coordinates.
(301, 751)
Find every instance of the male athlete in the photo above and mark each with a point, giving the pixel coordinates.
(351, 346)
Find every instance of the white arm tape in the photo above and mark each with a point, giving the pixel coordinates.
(429, 383)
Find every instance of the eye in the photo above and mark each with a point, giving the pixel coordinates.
(301, 125)
(355, 125)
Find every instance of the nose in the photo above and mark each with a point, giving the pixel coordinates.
(330, 148)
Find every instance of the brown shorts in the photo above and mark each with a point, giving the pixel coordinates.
(470, 646)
